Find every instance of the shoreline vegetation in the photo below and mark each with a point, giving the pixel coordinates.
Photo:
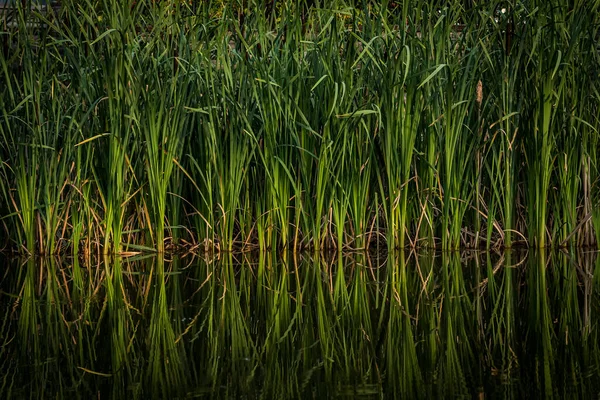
(232, 126)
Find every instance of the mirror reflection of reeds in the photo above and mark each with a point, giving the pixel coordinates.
(405, 324)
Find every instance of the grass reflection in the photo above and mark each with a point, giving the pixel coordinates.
(403, 325)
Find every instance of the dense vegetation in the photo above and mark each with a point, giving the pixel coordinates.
(128, 126)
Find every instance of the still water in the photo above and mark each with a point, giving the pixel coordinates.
(405, 325)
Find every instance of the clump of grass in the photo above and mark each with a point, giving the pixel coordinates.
(322, 125)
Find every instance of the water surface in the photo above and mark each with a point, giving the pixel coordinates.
(405, 325)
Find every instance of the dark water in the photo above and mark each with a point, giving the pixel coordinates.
(471, 325)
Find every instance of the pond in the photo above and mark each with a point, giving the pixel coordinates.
(369, 326)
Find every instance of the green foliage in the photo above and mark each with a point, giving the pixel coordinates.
(241, 125)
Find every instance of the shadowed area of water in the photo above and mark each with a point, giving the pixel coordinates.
(406, 325)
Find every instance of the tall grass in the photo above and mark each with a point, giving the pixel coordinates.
(328, 124)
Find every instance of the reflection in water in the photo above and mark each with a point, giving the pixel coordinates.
(405, 325)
